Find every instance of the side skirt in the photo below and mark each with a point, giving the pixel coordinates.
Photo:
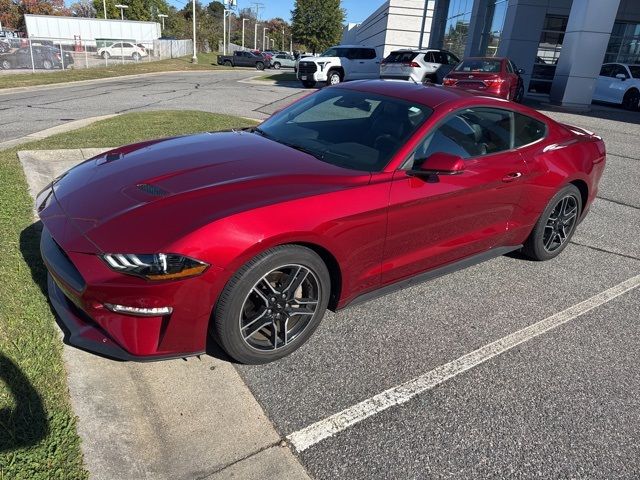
(431, 274)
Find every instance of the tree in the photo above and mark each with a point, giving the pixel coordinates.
(112, 11)
(9, 14)
(317, 23)
(83, 8)
(43, 7)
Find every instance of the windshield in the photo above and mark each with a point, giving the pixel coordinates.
(479, 65)
(334, 52)
(401, 57)
(635, 71)
(350, 129)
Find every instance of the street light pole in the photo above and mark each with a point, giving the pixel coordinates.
(264, 35)
(283, 39)
(104, 6)
(122, 9)
(162, 16)
(194, 59)
(255, 36)
(243, 20)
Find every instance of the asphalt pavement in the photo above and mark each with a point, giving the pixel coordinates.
(562, 404)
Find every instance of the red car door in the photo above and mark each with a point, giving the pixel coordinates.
(434, 223)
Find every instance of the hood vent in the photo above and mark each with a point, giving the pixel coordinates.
(153, 190)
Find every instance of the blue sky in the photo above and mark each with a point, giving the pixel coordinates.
(357, 10)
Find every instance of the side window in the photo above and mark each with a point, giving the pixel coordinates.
(510, 68)
(351, 53)
(606, 70)
(439, 57)
(527, 130)
(452, 59)
(469, 133)
(127, 45)
(370, 54)
(619, 69)
(116, 45)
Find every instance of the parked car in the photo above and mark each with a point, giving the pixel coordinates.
(494, 75)
(44, 57)
(619, 83)
(426, 66)
(339, 64)
(283, 60)
(123, 49)
(348, 193)
(243, 58)
(5, 46)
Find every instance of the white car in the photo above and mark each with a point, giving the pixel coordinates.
(123, 49)
(283, 60)
(619, 83)
(340, 64)
(420, 66)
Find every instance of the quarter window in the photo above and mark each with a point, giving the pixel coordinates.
(527, 130)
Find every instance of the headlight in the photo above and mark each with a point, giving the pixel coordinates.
(322, 64)
(155, 266)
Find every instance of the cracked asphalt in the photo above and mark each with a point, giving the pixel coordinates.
(563, 405)
(22, 113)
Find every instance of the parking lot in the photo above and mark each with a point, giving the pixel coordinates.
(561, 404)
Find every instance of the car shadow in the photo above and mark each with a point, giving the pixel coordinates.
(26, 423)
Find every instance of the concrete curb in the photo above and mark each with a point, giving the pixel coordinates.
(6, 91)
(176, 419)
(65, 127)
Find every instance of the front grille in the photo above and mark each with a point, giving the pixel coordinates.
(307, 68)
(59, 262)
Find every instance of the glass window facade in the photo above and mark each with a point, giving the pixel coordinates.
(457, 26)
(493, 25)
(549, 47)
(624, 44)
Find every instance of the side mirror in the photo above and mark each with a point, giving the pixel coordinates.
(520, 71)
(439, 163)
(621, 76)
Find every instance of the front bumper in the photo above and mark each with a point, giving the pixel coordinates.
(80, 284)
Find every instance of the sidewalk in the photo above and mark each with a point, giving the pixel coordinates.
(177, 419)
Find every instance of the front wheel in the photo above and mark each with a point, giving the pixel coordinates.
(105, 55)
(6, 64)
(308, 83)
(556, 225)
(259, 66)
(227, 63)
(136, 56)
(47, 64)
(519, 94)
(272, 305)
(334, 77)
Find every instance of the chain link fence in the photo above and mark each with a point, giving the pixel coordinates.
(46, 54)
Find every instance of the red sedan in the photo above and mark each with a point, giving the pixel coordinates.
(494, 75)
(349, 193)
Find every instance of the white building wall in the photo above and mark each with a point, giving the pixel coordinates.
(65, 28)
(395, 24)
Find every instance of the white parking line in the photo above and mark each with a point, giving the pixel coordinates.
(309, 436)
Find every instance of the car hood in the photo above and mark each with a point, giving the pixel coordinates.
(148, 194)
(318, 59)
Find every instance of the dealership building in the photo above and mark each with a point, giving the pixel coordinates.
(561, 44)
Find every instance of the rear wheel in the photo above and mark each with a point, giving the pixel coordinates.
(136, 56)
(519, 94)
(276, 66)
(47, 64)
(259, 66)
(272, 305)
(556, 225)
(227, 63)
(6, 64)
(631, 100)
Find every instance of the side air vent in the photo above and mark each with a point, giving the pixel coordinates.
(152, 190)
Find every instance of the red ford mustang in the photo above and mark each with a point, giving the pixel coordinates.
(353, 191)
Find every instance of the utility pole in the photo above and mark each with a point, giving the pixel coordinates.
(194, 59)
(243, 20)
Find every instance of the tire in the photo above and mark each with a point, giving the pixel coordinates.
(248, 298)
(276, 66)
(428, 80)
(308, 83)
(631, 100)
(6, 64)
(555, 227)
(47, 64)
(519, 94)
(136, 56)
(106, 55)
(334, 77)
(227, 63)
(259, 66)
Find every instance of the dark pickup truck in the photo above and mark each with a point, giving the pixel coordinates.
(244, 59)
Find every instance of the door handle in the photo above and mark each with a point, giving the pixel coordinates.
(511, 177)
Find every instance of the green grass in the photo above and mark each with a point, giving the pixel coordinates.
(38, 438)
(280, 77)
(206, 61)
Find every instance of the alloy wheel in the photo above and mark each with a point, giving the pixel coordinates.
(560, 223)
(279, 307)
(334, 79)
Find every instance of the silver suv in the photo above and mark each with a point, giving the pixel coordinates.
(423, 66)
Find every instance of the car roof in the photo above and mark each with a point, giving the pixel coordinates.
(351, 46)
(485, 58)
(432, 96)
(420, 50)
